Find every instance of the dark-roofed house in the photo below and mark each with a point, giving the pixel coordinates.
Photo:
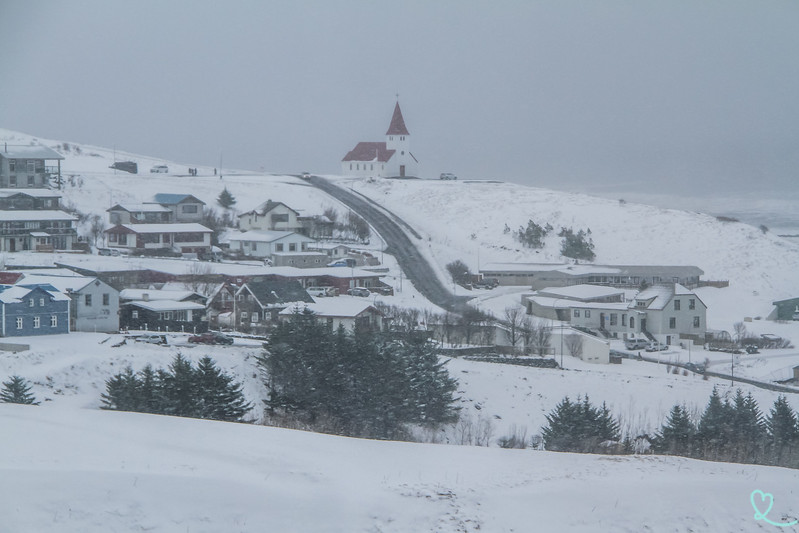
(391, 158)
(785, 310)
(162, 310)
(257, 304)
(184, 207)
(25, 166)
(140, 214)
(270, 216)
(35, 309)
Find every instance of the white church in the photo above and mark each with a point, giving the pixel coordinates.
(388, 159)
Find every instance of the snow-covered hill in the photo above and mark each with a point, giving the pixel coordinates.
(92, 471)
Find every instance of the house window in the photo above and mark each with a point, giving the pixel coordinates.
(87, 300)
(181, 316)
(587, 313)
(166, 315)
(691, 304)
(189, 208)
(576, 313)
(12, 181)
(254, 318)
(672, 323)
(292, 247)
(614, 318)
(696, 321)
(106, 299)
(19, 322)
(30, 302)
(31, 183)
(350, 166)
(134, 314)
(676, 305)
(623, 319)
(123, 238)
(12, 165)
(31, 166)
(36, 322)
(53, 321)
(244, 315)
(640, 303)
(41, 302)
(279, 247)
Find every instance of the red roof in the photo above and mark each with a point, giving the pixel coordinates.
(370, 151)
(397, 126)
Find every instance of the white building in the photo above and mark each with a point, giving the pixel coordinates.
(392, 158)
(342, 311)
(270, 216)
(262, 243)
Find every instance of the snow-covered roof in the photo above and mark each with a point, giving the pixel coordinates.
(166, 305)
(15, 293)
(585, 268)
(141, 208)
(261, 235)
(340, 306)
(36, 151)
(43, 214)
(34, 193)
(661, 294)
(155, 294)
(328, 246)
(183, 227)
(62, 283)
(369, 152)
(581, 292)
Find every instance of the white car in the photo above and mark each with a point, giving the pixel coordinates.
(159, 169)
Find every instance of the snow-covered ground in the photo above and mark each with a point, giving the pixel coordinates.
(85, 471)
(66, 466)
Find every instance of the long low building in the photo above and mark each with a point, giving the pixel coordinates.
(541, 275)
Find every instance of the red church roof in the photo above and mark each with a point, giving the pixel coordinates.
(397, 126)
(370, 151)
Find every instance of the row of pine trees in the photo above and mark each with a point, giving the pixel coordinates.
(731, 431)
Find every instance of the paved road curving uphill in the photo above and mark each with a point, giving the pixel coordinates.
(389, 226)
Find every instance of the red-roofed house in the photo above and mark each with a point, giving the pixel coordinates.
(391, 158)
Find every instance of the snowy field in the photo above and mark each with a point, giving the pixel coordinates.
(67, 466)
(79, 471)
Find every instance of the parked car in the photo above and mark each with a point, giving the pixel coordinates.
(359, 291)
(751, 349)
(636, 344)
(211, 337)
(486, 283)
(447, 176)
(385, 290)
(656, 347)
(159, 169)
(104, 251)
(318, 291)
(127, 166)
(151, 338)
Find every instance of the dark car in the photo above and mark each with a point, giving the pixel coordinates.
(210, 337)
(751, 349)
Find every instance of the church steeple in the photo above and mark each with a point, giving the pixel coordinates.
(397, 126)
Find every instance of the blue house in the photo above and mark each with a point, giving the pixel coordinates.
(33, 309)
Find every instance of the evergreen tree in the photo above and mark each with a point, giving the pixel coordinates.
(179, 386)
(360, 383)
(225, 199)
(577, 245)
(218, 396)
(122, 392)
(677, 434)
(17, 390)
(580, 427)
(783, 433)
(748, 431)
(715, 428)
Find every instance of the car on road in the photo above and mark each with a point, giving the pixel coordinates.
(751, 349)
(656, 347)
(447, 176)
(306, 175)
(211, 337)
(359, 291)
(159, 169)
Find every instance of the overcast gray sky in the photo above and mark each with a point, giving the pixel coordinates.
(656, 96)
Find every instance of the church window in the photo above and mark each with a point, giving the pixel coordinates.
(350, 166)
(358, 166)
(402, 153)
(371, 167)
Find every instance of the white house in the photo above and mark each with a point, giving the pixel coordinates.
(342, 311)
(264, 243)
(392, 158)
(270, 216)
(180, 237)
(672, 312)
(40, 230)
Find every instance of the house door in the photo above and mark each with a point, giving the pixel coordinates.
(632, 323)
(668, 339)
(402, 171)
(12, 245)
(643, 324)
(601, 320)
